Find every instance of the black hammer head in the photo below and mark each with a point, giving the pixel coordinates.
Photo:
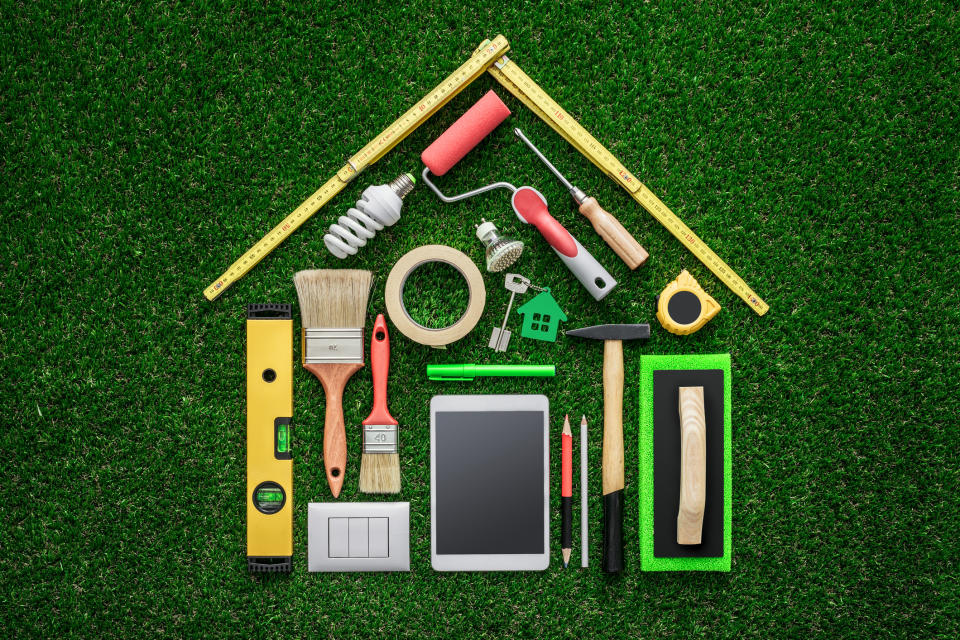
(612, 332)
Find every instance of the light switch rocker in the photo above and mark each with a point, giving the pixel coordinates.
(359, 536)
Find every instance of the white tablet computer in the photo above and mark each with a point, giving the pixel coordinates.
(489, 483)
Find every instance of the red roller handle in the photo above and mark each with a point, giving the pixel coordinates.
(379, 368)
(532, 207)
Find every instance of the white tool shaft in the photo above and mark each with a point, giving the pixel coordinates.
(584, 528)
(589, 272)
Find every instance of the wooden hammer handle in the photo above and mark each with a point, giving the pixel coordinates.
(613, 456)
(612, 416)
(614, 234)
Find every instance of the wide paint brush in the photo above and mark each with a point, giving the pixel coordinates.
(333, 306)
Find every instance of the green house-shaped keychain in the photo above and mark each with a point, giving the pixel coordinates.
(541, 317)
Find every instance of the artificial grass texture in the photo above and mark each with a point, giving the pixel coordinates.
(649, 364)
(146, 147)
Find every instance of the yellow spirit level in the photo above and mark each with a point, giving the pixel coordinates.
(269, 461)
(684, 307)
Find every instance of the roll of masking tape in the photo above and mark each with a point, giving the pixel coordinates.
(398, 279)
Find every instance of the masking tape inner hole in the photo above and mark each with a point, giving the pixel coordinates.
(435, 294)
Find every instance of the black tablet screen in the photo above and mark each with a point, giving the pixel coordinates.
(489, 482)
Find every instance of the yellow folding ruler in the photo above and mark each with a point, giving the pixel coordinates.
(472, 69)
(536, 99)
(530, 94)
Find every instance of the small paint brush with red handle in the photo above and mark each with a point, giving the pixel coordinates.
(380, 463)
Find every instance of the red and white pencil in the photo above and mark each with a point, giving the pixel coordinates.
(566, 490)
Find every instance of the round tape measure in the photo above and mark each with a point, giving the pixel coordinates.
(683, 306)
(397, 279)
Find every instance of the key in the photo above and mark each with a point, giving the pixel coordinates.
(500, 338)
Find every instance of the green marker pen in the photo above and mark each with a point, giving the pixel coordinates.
(467, 372)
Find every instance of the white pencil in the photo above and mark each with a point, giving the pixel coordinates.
(584, 547)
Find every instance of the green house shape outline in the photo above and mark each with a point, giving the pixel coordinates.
(541, 318)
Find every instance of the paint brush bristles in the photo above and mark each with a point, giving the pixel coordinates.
(380, 473)
(333, 297)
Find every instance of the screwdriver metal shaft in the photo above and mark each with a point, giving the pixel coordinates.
(577, 194)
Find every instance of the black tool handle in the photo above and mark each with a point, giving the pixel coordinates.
(566, 523)
(613, 456)
(613, 532)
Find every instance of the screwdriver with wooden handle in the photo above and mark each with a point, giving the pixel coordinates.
(609, 228)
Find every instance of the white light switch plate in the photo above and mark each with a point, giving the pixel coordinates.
(358, 536)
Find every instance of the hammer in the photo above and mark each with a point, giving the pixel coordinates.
(613, 336)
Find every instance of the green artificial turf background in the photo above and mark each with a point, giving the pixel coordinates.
(147, 146)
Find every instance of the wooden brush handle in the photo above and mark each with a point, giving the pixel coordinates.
(614, 234)
(613, 456)
(693, 465)
(334, 378)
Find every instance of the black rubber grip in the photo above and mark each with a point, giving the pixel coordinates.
(566, 523)
(269, 564)
(269, 311)
(613, 532)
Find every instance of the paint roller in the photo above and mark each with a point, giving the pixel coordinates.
(528, 203)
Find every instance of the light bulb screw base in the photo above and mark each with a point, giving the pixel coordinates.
(403, 184)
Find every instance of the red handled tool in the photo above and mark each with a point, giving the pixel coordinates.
(605, 224)
(528, 203)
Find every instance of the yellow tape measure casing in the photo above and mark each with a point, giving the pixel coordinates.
(684, 307)
(406, 265)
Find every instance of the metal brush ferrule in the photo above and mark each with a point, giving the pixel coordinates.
(324, 346)
(380, 438)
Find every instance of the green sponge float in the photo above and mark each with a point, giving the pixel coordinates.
(661, 377)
